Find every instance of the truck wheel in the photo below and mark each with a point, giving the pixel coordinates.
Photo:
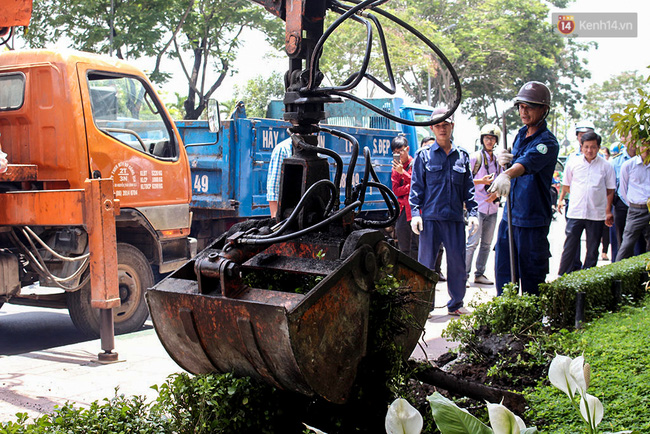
(134, 276)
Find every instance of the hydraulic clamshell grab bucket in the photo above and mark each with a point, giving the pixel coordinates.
(312, 343)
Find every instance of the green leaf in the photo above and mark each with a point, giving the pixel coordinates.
(450, 419)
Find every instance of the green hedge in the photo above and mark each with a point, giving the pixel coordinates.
(559, 296)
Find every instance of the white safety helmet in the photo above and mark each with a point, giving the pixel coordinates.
(585, 126)
(491, 130)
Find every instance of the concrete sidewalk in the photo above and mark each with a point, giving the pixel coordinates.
(35, 382)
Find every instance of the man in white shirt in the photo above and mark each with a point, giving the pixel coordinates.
(591, 182)
(634, 189)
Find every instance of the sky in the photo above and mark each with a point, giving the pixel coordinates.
(615, 55)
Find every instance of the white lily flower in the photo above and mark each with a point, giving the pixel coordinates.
(520, 422)
(577, 371)
(587, 371)
(595, 414)
(503, 421)
(403, 418)
(570, 375)
(560, 377)
(315, 430)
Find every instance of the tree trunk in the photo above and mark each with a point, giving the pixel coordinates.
(439, 378)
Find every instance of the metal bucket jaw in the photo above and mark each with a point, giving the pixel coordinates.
(294, 315)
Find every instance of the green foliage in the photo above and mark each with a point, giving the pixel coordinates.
(616, 347)
(510, 313)
(116, 415)
(258, 92)
(612, 96)
(185, 405)
(495, 46)
(559, 296)
(215, 404)
(635, 122)
(506, 334)
(202, 35)
(175, 107)
(298, 283)
(451, 419)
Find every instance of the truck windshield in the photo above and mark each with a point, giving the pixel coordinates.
(123, 108)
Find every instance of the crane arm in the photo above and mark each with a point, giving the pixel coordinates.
(14, 13)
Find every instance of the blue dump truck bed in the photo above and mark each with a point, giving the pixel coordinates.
(229, 174)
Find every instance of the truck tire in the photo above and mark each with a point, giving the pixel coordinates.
(135, 276)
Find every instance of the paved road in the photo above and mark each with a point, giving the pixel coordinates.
(45, 362)
(24, 329)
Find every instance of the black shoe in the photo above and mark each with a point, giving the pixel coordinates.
(441, 277)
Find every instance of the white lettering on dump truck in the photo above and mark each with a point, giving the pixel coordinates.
(125, 180)
(201, 183)
(269, 139)
(380, 146)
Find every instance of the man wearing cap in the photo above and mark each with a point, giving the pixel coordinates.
(527, 184)
(441, 183)
(583, 127)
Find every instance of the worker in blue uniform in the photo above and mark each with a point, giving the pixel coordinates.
(441, 183)
(527, 183)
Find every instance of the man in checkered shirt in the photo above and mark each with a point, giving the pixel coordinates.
(281, 151)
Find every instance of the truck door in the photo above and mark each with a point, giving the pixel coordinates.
(132, 140)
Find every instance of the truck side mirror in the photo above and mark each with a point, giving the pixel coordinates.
(214, 118)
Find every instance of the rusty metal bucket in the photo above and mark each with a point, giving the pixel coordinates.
(311, 342)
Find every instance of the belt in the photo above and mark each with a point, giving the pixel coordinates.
(636, 205)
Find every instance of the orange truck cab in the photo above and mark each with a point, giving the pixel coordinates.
(67, 117)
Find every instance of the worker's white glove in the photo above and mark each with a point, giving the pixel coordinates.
(472, 222)
(416, 225)
(504, 158)
(501, 185)
(3, 162)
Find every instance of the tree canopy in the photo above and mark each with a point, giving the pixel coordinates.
(601, 100)
(202, 35)
(256, 94)
(495, 46)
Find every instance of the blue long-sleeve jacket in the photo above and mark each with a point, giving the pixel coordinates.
(441, 183)
(530, 193)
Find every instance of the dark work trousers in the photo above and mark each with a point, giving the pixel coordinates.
(573, 231)
(439, 260)
(452, 236)
(532, 253)
(613, 241)
(576, 262)
(620, 218)
(620, 215)
(406, 239)
(605, 239)
(637, 228)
